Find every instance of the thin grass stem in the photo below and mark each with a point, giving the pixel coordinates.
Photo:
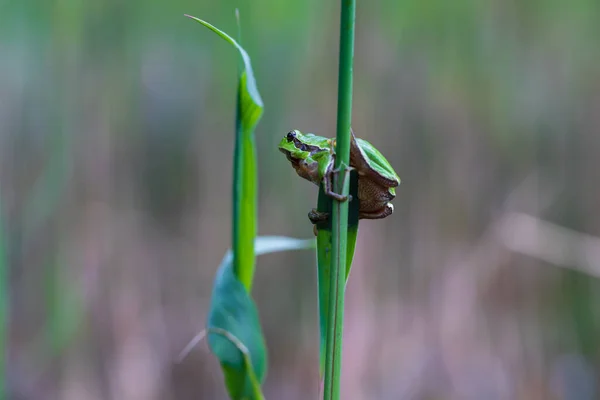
(335, 323)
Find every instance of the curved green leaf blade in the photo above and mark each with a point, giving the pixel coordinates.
(248, 113)
(233, 311)
(253, 105)
(253, 380)
(272, 244)
(324, 257)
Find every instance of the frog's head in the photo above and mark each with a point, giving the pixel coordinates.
(308, 153)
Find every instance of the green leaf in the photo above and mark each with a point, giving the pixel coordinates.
(253, 108)
(248, 113)
(324, 256)
(252, 379)
(272, 244)
(243, 360)
(233, 311)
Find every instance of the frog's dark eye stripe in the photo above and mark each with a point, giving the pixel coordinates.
(291, 136)
(297, 143)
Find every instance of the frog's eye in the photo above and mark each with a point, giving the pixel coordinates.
(290, 136)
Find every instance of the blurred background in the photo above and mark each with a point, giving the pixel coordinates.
(116, 138)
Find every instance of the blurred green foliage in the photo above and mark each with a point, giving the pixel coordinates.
(115, 149)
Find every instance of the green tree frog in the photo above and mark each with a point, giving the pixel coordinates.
(313, 158)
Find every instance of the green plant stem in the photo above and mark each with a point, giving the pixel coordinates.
(240, 249)
(335, 322)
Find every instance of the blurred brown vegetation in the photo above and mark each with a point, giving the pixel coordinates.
(116, 135)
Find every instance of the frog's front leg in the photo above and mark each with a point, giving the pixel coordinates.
(328, 187)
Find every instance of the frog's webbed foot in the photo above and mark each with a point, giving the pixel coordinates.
(317, 216)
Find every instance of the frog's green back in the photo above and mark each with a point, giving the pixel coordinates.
(376, 160)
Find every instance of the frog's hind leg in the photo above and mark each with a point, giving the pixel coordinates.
(381, 213)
